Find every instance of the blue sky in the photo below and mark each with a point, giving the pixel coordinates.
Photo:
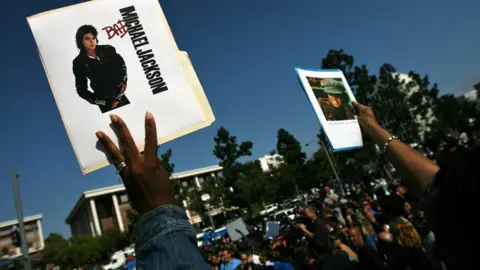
(244, 53)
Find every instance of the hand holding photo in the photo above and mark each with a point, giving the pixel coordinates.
(332, 101)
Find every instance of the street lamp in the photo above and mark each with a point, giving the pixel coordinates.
(205, 198)
(327, 153)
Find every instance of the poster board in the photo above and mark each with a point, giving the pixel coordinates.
(237, 229)
(134, 51)
(331, 98)
(272, 229)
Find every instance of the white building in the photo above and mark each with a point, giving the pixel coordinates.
(270, 161)
(106, 208)
(471, 95)
(33, 233)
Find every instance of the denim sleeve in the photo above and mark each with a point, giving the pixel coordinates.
(166, 240)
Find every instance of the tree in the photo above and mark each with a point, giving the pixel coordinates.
(166, 163)
(228, 151)
(454, 115)
(291, 171)
(253, 185)
(54, 244)
(289, 148)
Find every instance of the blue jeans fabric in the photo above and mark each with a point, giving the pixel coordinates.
(165, 239)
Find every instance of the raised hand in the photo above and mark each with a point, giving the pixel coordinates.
(145, 179)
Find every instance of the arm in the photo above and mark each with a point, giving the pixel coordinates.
(417, 170)
(305, 231)
(81, 82)
(352, 256)
(333, 198)
(164, 237)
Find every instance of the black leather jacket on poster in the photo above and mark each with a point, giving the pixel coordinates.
(105, 73)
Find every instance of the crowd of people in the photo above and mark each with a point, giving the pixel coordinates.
(361, 231)
(424, 226)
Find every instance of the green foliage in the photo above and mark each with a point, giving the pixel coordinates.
(228, 151)
(166, 163)
(252, 185)
(289, 148)
(83, 250)
(454, 115)
(54, 245)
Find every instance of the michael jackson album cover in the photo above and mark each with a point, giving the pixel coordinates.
(117, 57)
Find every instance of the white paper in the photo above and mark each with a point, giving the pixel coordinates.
(175, 109)
(331, 99)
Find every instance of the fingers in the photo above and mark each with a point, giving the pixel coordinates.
(127, 144)
(112, 151)
(150, 152)
(361, 109)
(358, 105)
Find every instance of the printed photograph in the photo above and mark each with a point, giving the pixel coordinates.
(333, 98)
(101, 68)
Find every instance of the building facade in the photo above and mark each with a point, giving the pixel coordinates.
(268, 162)
(103, 209)
(33, 232)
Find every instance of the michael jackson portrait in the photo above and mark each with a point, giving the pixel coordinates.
(103, 67)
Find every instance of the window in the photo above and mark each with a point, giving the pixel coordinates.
(124, 198)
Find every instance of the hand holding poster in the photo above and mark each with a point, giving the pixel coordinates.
(117, 56)
(331, 98)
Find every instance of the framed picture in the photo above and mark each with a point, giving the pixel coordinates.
(331, 98)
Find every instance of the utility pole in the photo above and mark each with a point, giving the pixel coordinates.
(334, 169)
(18, 205)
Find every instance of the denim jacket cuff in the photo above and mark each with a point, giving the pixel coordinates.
(161, 221)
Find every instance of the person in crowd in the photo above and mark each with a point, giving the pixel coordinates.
(332, 202)
(282, 261)
(228, 261)
(401, 192)
(368, 257)
(319, 240)
(356, 218)
(246, 262)
(367, 208)
(448, 191)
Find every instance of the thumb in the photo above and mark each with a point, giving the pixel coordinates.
(357, 105)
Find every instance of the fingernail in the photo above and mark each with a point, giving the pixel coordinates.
(148, 116)
(99, 135)
(114, 118)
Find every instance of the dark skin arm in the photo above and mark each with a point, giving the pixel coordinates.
(417, 170)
